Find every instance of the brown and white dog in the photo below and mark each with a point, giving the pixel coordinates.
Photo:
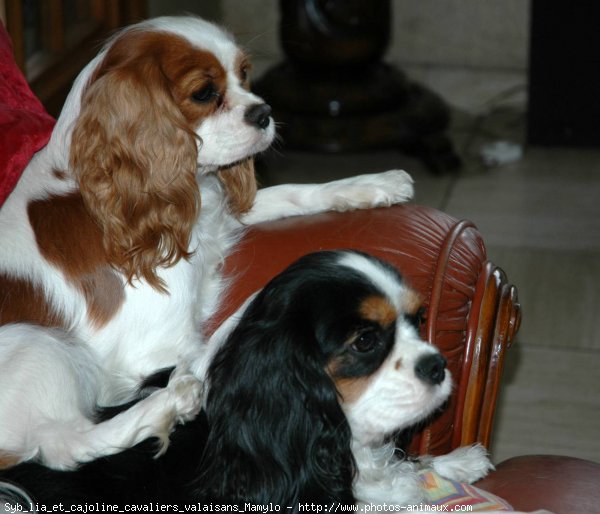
(111, 243)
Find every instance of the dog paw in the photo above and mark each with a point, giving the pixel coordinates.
(466, 464)
(392, 187)
(374, 190)
(187, 393)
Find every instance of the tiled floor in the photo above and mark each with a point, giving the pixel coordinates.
(540, 218)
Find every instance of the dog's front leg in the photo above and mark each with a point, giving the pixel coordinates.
(383, 478)
(465, 464)
(82, 440)
(360, 192)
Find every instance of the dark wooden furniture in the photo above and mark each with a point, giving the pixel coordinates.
(564, 77)
(54, 39)
(334, 93)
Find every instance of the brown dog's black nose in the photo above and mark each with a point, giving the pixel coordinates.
(258, 115)
(431, 368)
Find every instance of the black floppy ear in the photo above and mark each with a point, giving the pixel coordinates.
(277, 432)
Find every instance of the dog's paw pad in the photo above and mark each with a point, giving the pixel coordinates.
(466, 464)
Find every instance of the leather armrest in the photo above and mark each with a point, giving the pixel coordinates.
(562, 485)
(472, 311)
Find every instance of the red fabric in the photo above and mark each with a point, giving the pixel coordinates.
(25, 126)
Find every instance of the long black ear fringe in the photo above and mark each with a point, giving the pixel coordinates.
(277, 432)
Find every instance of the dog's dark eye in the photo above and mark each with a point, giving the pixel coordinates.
(244, 73)
(366, 342)
(416, 319)
(206, 94)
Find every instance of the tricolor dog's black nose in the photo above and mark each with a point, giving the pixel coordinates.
(258, 115)
(431, 368)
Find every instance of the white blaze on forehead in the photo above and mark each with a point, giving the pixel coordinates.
(200, 33)
(384, 279)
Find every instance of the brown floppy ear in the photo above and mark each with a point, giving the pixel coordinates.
(240, 185)
(135, 157)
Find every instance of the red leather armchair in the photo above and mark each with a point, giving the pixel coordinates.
(472, 315)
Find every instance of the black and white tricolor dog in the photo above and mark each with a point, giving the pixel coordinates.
(322, 367)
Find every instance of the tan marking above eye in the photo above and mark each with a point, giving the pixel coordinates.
(411, 302)
(379, 309)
